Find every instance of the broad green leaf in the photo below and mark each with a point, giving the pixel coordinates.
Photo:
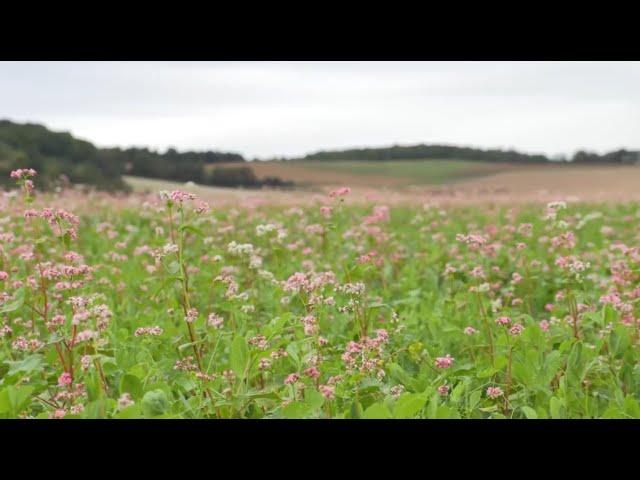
(631, 407)
(239, 357)
(16, 303)
(376, 411)
(132, 385)
(296, 410)
(555, 407)
(28, 365)
(313, 398)
(155, 403)
(409, 404)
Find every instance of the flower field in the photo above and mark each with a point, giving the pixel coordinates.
(166, 306)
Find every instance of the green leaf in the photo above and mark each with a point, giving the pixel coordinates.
(619, 341)
(474, 399)
(446, 412)
(377, 410)
(529, 412)
(191, 228)
(631, 407)
(487, 372)
(612, 412)
(296, 410)
(28, 365)
(313, 398)
(132, 385)
(155, 403)
(239, 357)
(16, 303)
(292, 351)
(14, 399)
(66, 239)
(132, 411)
(555, 407)
(500, 362)
(397, 373)
(409, 404)
(355, 411)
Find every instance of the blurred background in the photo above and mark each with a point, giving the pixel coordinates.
(456, 129)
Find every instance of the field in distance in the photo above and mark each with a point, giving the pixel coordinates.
(396, 173)
(462, 181)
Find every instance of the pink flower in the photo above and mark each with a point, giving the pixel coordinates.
(326, 211)
(180, 196)
(516, 329)
(327, 391)
(443, 390)
(341, 192)
(503, 321)
(470, 330)
(214, 320)
(3, 275)
(65, 379)
(293, 378)
(192, 314)
(444, 362)
(59, 413)
(202, 207)
(494, 392)
(23, 173)
(125, 401)
(155, 331)
(312, 372)
(544, 325)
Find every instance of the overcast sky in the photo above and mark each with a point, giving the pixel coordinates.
(262, 109)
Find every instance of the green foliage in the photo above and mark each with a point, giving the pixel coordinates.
(279, 312)
(60, 158)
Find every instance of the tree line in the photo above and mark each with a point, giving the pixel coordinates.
(443, 152)
(59, 157)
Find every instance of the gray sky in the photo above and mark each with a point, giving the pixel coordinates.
(261, 109)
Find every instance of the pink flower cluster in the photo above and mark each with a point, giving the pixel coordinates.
(22, 173)
(341, 192)
(444, 362)
(494, 392)
(365, 355)
(380, 214)
(214, 320)
(179, 196)
(154, 331)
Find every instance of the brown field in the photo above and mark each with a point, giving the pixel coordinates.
(585, 183)
(513, 185)
(399, 173)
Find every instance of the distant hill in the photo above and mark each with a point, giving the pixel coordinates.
(58, 157)
(54, 154)
(443, 152)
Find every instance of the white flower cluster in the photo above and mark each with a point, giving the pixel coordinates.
(262, 230)
(240, 249)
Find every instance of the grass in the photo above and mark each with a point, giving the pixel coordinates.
(419, 172)
(398, 173)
